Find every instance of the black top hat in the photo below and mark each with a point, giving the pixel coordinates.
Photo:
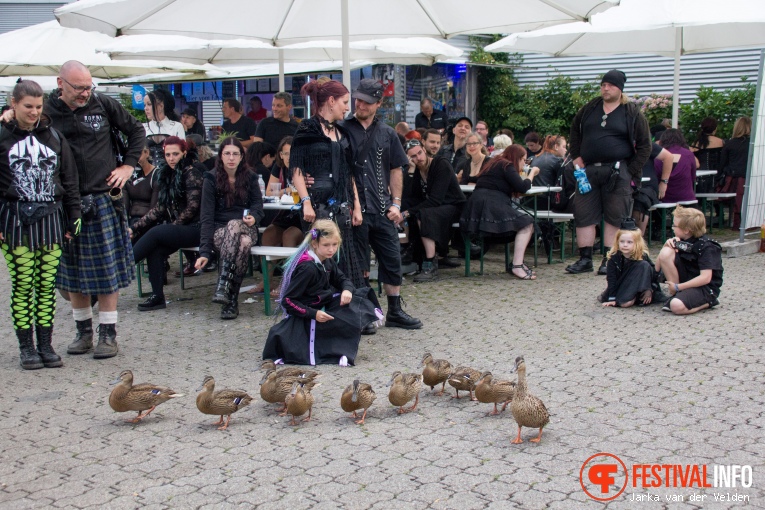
(628, 224)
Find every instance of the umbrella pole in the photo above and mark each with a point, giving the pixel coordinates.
(346, 45)
(281, 70)
(676, 84)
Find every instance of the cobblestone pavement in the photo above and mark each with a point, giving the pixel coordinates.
(642, 384)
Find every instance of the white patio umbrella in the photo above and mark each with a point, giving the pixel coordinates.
(48, 83)
(662, 27)
(42, 49)
(249, 52)
(284, 22)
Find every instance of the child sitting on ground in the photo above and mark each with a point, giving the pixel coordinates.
(323, 313)
(692, 264)
(629, 271)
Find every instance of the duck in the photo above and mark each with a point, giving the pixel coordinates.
(268, 364)
(464, 378)
(490, 391)
(140, 397)
(436, 372)
(528, 410)
(274, 389)
(299, 401)
(222, 402)
(357, 396)
(404, 388)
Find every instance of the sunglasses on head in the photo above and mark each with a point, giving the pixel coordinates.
(412, 144)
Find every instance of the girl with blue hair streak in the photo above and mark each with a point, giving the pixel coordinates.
(323, 314)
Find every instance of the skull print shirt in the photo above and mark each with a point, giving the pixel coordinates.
(38, 166)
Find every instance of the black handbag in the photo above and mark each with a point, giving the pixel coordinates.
(30, 213)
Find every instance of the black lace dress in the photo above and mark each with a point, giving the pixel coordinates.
(330, 164)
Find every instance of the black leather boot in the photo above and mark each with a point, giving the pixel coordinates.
(584, 264)
(107, 342)
(83, 340)
(398, 318)
(44, 348)
(231, 310)
(602, 270)
(30, 359)
(154, 302)
(227, 270)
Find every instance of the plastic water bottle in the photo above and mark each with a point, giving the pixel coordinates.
(581, 180)
(262, 186)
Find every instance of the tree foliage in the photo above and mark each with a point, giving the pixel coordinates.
(724, 105)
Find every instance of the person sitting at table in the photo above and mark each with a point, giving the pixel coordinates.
(285, 229)
(733, 161)
(435, 201)
(478, 155)
(501, 142)
(647, 195)
(679, 187)
(492, 210)
(177, 194)
(707, 149)
(228, 192)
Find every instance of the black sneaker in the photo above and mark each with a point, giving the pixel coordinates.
(666, 307)
(154, 302)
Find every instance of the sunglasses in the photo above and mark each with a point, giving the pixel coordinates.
(412, 144)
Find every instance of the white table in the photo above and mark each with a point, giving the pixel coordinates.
(277, 206)
(705, 173)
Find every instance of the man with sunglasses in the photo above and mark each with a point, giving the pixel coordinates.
(378, 169)
(100, 261)
(610, 139)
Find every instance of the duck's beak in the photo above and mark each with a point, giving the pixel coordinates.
(201, 388)
(117, 380)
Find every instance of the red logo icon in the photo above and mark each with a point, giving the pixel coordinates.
(600, 476)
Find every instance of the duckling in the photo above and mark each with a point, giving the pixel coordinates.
(404, 387)
(274, 389)
(436, 372)
(141, 397)
(221, 402)
(527, 409)
(489, 391)
(464, 378)
(299, 401)
(267, 365)
(357, 396)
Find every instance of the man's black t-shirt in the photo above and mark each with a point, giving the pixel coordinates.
(273, 130)
(244, 127)
(609, 143)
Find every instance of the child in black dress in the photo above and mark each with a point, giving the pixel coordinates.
(323, 313)
(630, 272)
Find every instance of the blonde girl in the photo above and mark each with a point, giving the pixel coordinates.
(323, 314)
(629, 271)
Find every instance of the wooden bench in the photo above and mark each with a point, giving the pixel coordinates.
(267, 254)
(719, 198)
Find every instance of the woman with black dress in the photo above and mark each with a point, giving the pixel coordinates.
(321, 149)
(733, 161)
(492, 210)
(231, 208)
(177, 194)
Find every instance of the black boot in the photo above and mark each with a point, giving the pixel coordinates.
(584, 264)
(44, 348)
(83, 340)
(227, 270)
(398, 318)
(30, 359)
(107, 342)
(602, 270)
(369, 329)
(154, 302)
(231, 310)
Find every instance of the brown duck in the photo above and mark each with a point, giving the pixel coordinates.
(464, 378)
(357, 396)
(527, 409)
(140, 397)
(274, 389)
(267, 365)
(404, 388)
(299, 401)
(490, 391)
(222, 402)
(436, 372)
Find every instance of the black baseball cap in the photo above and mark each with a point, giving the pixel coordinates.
(190, 112)
(463, 118)
(369, 90)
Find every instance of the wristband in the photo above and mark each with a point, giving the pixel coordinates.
(397, 206)
(677, 288)
(396, 198)
(306, 198)
(665, 181)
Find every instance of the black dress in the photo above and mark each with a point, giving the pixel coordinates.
(491, 210)
(330, 164)
(299, 338)
(627, 278)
